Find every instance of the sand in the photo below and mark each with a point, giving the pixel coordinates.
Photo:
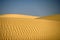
(17, 16)
(12, 27)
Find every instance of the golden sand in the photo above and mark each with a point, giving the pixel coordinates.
(55, 17)
(17, 16)
(13, 28)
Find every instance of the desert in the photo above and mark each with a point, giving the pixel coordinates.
(24, 27)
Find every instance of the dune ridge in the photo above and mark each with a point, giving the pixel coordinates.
(17, 16)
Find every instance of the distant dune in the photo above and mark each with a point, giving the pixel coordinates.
(52, 17)
(29, 27)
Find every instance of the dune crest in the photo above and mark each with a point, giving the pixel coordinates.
(17, 16)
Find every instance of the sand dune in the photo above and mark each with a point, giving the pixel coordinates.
(52, 17)
(17, 16)
(29, 29)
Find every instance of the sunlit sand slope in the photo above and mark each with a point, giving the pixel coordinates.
(29, 29)
(17, 16)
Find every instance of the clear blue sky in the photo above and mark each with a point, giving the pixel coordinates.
(30, 7)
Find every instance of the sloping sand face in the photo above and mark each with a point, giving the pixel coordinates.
(52, 17)
(29, 29)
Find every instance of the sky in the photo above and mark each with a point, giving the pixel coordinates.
(30, 7)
